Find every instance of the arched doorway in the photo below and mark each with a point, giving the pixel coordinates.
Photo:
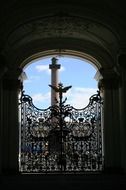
(90, 46)
(61, 138)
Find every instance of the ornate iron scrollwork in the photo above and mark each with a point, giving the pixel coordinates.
(60, 138)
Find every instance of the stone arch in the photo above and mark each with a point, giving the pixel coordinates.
(61, 32)
(62, 52)
(34, 39)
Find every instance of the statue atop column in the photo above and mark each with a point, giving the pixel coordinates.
(60, 89)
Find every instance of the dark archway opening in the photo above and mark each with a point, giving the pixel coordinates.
(61, 137)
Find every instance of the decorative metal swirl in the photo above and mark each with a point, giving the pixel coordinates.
(60, 138)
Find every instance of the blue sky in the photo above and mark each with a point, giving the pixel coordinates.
(76, 72)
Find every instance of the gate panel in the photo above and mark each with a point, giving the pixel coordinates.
(60, 138)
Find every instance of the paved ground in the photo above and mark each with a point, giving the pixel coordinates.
(64, 181)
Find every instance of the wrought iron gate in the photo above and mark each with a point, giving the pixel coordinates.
(60, 138)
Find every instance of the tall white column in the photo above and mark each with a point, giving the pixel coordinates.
(3, 70)
(1, 123)
(122, 64)
(10, 128)
(54, 79)
(123, 119)
(111, 122)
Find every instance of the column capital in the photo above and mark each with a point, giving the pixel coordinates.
(110, 73)
(54, 64)
(3, 70)
(101, 86)
(12, 84)
(3, 66)
(13, 74)
(122, 65)
(122, 60)
(11, 80)
(111, 78)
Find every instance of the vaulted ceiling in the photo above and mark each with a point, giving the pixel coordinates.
(31, 26)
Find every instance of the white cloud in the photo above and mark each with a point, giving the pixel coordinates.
(31, 79)
(79, 97)
(41, 68)
(62, 69)
(45, 68)
(41, 99)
